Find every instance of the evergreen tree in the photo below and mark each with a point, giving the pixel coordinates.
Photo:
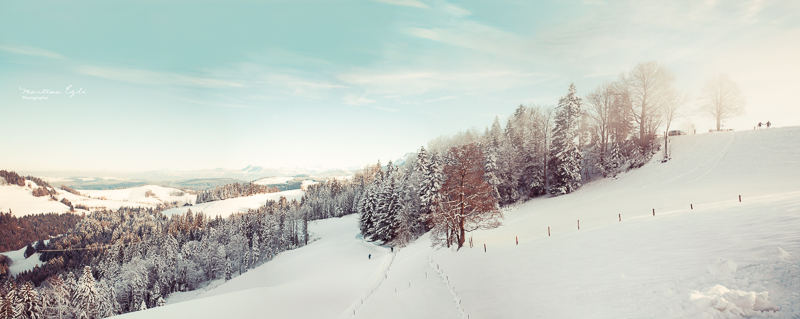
(367, 210)
(567, 159)
(430, 184)
(228, 270)
(491, 172)
(10, 306)
(256, 249)
(32, 307)
(86, 298)
(386, 216)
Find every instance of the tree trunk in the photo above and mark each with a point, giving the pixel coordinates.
(461, 234)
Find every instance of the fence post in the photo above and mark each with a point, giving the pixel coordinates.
(740, 198)
(654, 211)
(690, 206)
(579, 224)
(517, 237)
(484, 247)
(620, 217)
(548, 230)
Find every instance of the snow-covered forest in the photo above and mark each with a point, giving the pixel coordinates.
(114, 262)
(233, 191)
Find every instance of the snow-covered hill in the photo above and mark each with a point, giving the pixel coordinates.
(21, 201)
(704, 254)
(224, 208)
(18, 261)
(139, 195)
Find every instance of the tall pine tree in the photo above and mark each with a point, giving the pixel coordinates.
(567, 156)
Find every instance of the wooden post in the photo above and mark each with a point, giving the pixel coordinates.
(517, 237)
(579, 224)
(654, 211)
(620, 217)
(484, 247)
(690, 206)
(740, 198)
(548, 230)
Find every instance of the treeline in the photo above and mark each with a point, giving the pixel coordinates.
(16, 232)
(114, 262)
(459, 186)
(11, 178)
(70, 190)
(43, 188)
(334, 198)
(233, 191)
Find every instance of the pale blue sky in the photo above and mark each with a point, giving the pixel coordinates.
(207, 84)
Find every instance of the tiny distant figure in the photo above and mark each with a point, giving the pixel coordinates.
(370, 256)
(392, 248)
(768, 124)
(759, 124)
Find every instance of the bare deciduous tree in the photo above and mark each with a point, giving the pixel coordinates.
(722, 99)
(648, 86)
(468, 203)
(599, 111)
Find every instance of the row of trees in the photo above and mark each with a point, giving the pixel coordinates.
(233, 191)
(540, 151)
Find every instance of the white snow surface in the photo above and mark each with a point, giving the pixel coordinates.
(307, 183)
(224, 208)
(20, 263)
(722, 258)
(274, 180)
(137, 195)
(21, 202)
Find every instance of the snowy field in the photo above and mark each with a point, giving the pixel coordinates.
(274, 180)
(21, 201)
(224, 208)
(704, 254)
(20, 263)
(138, 195)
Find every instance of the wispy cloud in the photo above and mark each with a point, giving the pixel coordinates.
(220, 104)
(403, 82)
(19, 49)
(385, 109)
(407, 3)
(441, 99)
(155, 78)
(456, 10)
(478, 37)
(351, 99)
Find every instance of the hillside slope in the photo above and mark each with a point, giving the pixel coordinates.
(718, 258)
